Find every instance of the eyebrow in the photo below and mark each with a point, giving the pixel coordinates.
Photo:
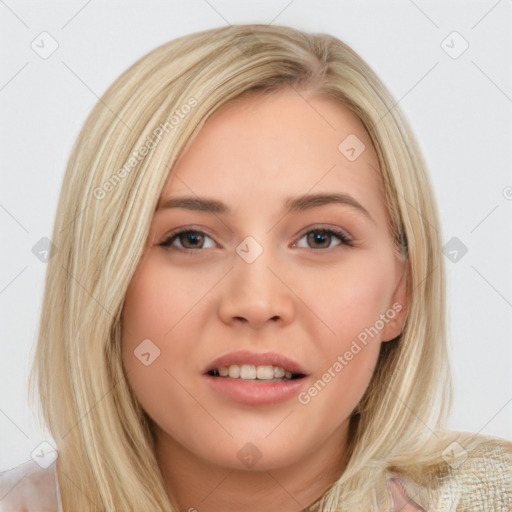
(291, 204)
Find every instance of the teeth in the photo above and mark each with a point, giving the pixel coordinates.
(248, 372)
(234, 371)
(251, 372)
(264, 372)
(278, 372)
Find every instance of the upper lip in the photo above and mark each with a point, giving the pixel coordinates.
(257, 359)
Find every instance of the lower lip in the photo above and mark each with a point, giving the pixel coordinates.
(252, 392)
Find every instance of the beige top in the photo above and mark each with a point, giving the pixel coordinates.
(476, 482)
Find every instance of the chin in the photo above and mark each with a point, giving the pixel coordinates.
(251, 456)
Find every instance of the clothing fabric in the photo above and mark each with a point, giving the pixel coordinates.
(475, 482)
(479, 481)
(30, 488)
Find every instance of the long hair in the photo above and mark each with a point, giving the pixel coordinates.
(129, 144)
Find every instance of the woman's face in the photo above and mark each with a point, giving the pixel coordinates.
(254, 274)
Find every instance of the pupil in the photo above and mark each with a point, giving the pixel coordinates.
(192, 236)
(318, 236)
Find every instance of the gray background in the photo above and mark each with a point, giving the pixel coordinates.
(459, 106)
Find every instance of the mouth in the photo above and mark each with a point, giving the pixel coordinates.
(255, 379)
(255, 392)
(253, 366)
(249, 372)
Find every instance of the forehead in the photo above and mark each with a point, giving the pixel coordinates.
(265, 148)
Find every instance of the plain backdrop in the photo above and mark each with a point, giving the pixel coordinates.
(457, 99)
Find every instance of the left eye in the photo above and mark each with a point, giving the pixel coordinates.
(321, 237)
(192, 239)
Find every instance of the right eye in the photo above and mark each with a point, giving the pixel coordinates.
(189, 240)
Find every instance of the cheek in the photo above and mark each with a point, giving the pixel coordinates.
(161, 308)
(150, 311)
(350, 303)
(351, 300)
(158, 298)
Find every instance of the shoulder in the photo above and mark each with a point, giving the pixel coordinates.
(480, 471)
(472, 472)
(28, 488)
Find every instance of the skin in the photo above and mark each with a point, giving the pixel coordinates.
(308, 301)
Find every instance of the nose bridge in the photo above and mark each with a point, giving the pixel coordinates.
(252, 273)
(254, 293)
(252, 270)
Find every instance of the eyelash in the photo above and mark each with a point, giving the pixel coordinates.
(342, 236)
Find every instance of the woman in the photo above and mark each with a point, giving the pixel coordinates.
(246, 307)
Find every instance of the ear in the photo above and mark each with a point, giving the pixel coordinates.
(399, 303)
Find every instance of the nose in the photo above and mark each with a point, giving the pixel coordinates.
(257, 294)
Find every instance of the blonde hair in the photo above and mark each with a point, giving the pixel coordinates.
(109, 194)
